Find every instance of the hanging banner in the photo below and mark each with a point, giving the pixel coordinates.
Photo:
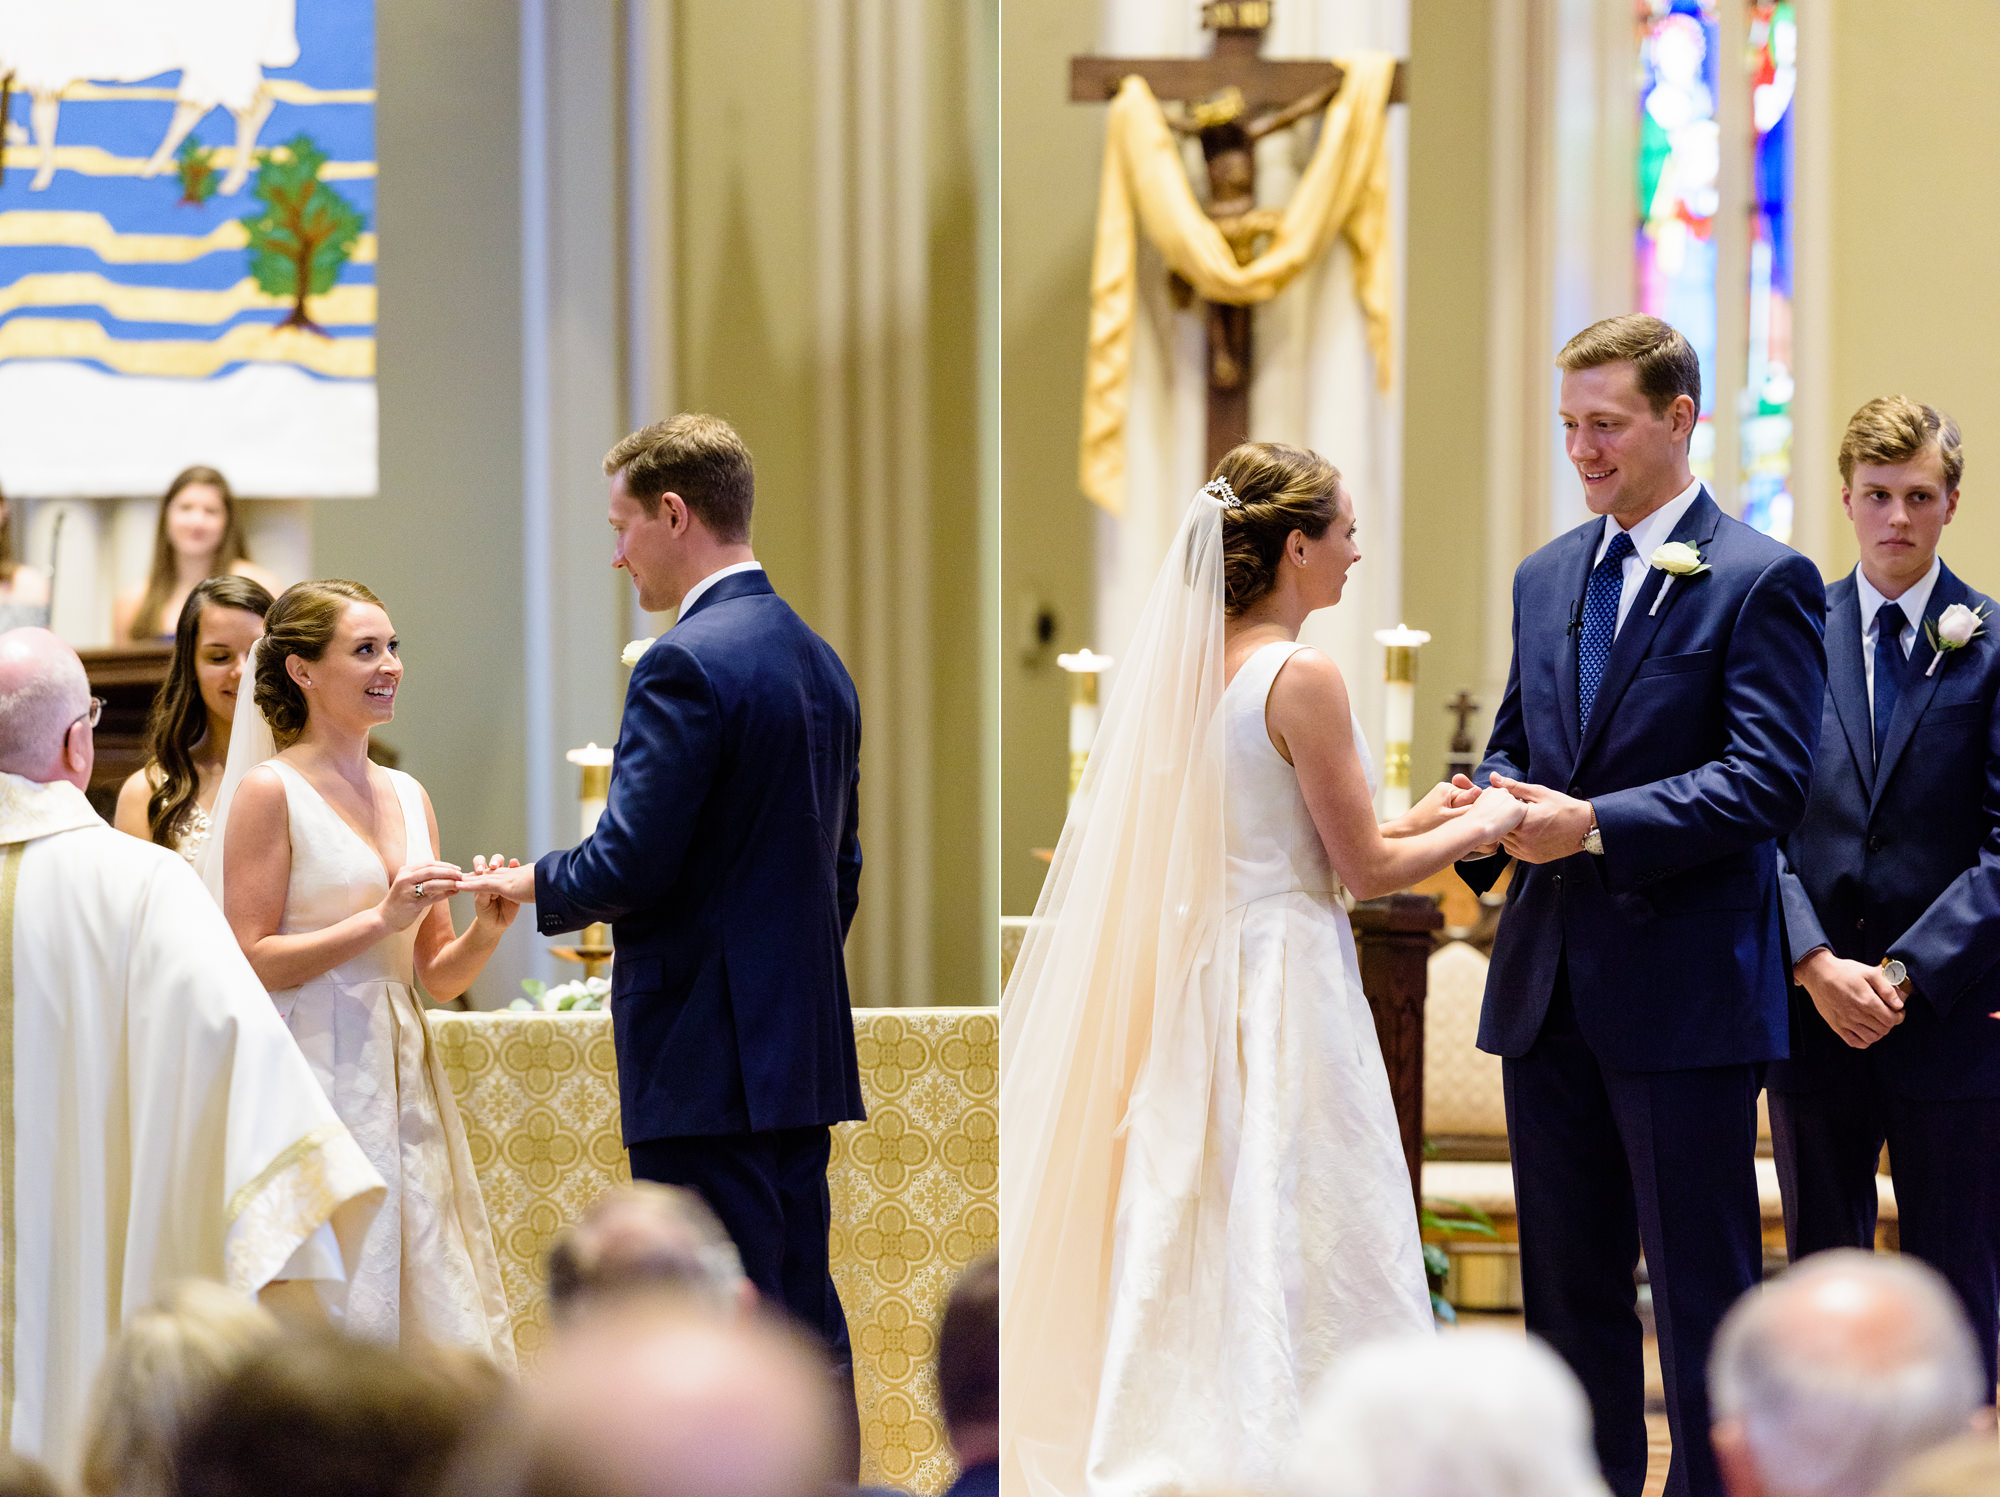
(187, 246)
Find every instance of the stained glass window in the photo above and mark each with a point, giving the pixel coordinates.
(1766, 420)
(1681, 151)
(1679, 163)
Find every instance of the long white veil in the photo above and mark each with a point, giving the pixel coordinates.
(1106, 994)
(251, 742)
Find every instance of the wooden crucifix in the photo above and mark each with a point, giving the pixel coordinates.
(1232, 99)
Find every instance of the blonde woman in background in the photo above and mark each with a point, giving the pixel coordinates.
(24, 592)
(169, 1359)
(199, 535)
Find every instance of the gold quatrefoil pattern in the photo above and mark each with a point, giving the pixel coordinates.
(916, 1188)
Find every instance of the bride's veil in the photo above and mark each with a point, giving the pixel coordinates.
(251, 742)
(1104, 999)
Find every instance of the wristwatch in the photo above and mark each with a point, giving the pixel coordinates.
(1895, 971)
(1592, 843)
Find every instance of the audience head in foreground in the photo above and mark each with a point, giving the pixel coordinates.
(647, 1236)
(1463, 1414)
(171, 1356)
(657, 1396)
(45, 710)
(968, 1373)
(1826, 1380)
(315, 1414)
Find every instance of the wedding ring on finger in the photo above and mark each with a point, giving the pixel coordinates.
(418, 891)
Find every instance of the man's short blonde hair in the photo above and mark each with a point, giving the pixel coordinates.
(700, 458)
(1893, 429)
(1663, 360)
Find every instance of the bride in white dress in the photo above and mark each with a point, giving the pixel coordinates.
(1204, 1197)
(331, 882)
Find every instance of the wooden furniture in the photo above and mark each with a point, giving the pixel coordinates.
(127, 677)
(1392, 937)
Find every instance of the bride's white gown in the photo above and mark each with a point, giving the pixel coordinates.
(1257, 1242)
(427, 1270)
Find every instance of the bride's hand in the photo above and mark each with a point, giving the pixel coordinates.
(1496, 813)
(416, 889)
(489, 906)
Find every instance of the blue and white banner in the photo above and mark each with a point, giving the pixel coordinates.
(187, 246)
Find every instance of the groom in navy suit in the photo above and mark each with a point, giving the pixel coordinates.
(728, 864)
(1660, 719)
(1892, 889)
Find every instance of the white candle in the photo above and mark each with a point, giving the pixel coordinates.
(1084, 713)
(1399, 707)
(596, 790)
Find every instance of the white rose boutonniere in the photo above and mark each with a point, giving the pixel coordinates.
(1676, 559)
(1957, 627)
(634, 650)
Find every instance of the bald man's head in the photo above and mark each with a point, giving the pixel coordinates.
(661, 1397)
(43, 691)
(1829, 1378)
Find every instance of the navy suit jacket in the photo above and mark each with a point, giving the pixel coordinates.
(727, 863)
(1697, 758)
(1904, 859)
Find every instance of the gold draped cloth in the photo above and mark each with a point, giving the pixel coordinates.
(1343, 193)
(156, 1120)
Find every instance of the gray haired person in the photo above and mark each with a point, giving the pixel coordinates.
(1829, 1378)
(647, 1236)
(1473, 1413)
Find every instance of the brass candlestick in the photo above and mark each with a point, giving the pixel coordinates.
(593, 948)
(1399, 673)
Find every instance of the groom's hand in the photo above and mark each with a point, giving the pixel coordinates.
(515, 884)
(1554, 826)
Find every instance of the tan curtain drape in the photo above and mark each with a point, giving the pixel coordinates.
(1344, 191)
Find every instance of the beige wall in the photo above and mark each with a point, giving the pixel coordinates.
(1914, 214)
(1048, 202)
(1447, 304)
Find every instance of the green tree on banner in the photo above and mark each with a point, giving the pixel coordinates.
(305, 232)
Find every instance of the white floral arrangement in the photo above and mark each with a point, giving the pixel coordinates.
(586, 996)
(1957, 627)
(631, 653)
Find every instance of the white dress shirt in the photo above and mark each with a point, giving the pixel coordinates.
(1915, 599)
(1647, 537)
(687, 598)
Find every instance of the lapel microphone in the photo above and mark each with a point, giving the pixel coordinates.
(1575, 617)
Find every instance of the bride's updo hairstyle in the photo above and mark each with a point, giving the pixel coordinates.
(1282, 489)
(300, 623)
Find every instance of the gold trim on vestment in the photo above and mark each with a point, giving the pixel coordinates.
(10, 872)
(292, 1153)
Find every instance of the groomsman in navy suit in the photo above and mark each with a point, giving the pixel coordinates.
(1892, 888)
(1660, 719)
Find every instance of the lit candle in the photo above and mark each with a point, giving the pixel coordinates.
(1399, 674)
(1084, 712)
(596, 789)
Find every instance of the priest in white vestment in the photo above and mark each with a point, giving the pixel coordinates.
(156, 1119)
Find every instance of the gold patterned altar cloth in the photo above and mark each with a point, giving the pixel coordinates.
(916, 1188)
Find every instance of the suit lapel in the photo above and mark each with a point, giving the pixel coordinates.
(1697, 527)
(1566, 688)
(1847, 677)
(1919, 687)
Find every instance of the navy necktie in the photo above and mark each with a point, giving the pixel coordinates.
(1600, 622)
(1889, 667)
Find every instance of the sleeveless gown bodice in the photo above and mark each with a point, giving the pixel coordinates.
(1245, 1260)
(427, 1269)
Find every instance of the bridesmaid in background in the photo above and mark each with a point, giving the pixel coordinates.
(187, 735)
(199, 535)
(24, 591)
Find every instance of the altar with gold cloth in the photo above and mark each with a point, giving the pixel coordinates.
(916, 1193)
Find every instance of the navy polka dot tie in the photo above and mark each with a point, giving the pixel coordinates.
(1600, 622)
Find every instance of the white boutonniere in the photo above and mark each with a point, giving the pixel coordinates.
(1676, 559)
(634, 650)
(1957, 627)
